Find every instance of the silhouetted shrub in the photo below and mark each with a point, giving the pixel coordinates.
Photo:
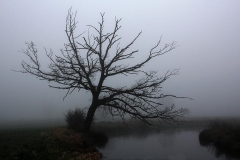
(224, 136)
(206, 137)
(75, 119)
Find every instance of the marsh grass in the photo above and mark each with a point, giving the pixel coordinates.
(63, 144)
(75, 119)
(48, 144)
(225, 136)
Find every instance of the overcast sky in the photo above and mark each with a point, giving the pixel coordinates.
(208, 34)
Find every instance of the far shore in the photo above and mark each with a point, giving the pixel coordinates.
(186, 122)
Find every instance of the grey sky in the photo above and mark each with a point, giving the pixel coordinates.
(208, 55)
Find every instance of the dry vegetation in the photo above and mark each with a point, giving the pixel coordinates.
(64, 144)
(223, 136)
(48, 144)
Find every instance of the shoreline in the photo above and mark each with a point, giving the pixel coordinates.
(57, 142)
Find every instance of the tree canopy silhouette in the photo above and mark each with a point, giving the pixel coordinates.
(86, 62)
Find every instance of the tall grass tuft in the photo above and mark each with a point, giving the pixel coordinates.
(75, 119)
(225, 136)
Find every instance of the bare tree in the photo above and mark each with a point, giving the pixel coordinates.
(85, 64)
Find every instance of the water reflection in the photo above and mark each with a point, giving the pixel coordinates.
(163, 145)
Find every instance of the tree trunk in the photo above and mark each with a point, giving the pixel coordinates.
(90, 115)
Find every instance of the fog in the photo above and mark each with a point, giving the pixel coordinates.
(208, 56)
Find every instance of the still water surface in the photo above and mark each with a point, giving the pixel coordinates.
(162, 145)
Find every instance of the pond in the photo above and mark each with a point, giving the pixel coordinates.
(172, 144)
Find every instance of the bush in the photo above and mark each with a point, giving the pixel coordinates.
(224, 136)
(75, 119)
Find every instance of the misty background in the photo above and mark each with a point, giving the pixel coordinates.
(208, 56)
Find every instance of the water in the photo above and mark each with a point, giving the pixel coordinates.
(162, 145)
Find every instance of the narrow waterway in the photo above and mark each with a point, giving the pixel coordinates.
(162, 145)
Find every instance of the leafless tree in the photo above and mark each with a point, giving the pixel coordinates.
(87, 61)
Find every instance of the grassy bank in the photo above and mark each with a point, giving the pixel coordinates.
(224, 136)
(47, 143)
(60, 143)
